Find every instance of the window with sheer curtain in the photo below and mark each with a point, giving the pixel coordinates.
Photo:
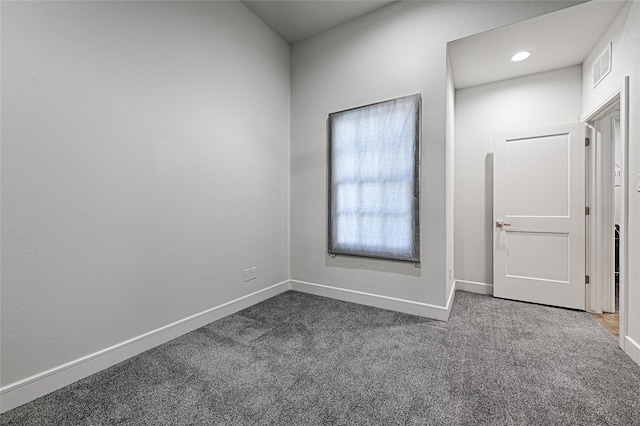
(374, 180)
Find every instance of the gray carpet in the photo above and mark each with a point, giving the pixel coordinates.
(303, 360)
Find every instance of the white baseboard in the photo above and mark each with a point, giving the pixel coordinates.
(632, 348)
(384, 302)
(23, 391)
(474, 287)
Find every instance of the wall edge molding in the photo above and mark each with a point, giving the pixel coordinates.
(632, 348)
(474, 287)
(378, 301)
(18, 393)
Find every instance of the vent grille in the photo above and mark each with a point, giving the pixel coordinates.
(602, 66)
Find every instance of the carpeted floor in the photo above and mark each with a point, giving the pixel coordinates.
(299, 359)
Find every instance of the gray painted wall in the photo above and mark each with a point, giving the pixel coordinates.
(145, 164)
(393, 52)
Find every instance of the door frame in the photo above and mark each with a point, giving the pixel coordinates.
(600, 198)
(600, 221)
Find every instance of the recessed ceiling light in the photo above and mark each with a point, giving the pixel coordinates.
(521, 56)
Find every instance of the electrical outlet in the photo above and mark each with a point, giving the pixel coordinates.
(254, 273)
(247, 275)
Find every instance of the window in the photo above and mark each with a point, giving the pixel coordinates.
(374, 180)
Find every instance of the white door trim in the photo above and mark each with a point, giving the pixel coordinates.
(600, 198)
(618, 99)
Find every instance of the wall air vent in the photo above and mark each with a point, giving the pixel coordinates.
(602, 66)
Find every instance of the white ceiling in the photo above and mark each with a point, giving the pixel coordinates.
(557, 40)
(296, 20)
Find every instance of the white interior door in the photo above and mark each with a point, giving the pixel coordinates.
(539, 216)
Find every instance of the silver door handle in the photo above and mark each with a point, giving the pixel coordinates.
(500, 224)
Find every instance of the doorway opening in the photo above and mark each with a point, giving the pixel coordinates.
(607, 221)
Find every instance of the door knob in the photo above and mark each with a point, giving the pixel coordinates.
(500, 224)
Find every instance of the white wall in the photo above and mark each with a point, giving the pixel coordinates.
(450, 141)
(624, 33)
(145, 164)
(534, 101)
(396, 51)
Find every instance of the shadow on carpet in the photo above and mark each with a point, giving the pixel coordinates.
(300, 359)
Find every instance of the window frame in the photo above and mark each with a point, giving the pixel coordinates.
(417, 158)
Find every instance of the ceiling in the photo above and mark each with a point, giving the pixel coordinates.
(556, 40)
(296, 20)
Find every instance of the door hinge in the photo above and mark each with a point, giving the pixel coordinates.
(587, 210)
(587, 142)
(586, 279)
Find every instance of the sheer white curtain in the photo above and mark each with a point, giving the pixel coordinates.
(374, 157)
